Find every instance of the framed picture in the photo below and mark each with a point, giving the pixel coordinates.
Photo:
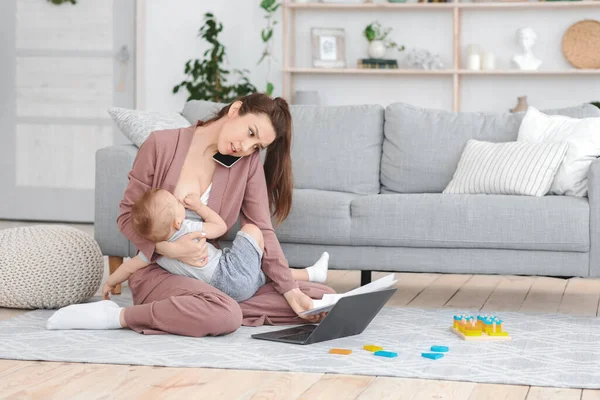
(328, 47)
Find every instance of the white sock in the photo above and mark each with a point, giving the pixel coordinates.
(104, 314)
(318, 272)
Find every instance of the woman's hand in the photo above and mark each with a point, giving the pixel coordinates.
(301, 302)
(190, 249)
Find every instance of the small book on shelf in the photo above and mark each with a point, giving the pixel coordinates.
(377, 63)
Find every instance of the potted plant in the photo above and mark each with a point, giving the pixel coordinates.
(378, 40)
(270, 6)
(207, 78)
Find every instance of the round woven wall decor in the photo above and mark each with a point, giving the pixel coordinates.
(581, 44)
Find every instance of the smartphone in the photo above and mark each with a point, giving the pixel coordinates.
(226, 160)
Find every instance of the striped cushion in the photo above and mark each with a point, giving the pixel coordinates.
(517, 168)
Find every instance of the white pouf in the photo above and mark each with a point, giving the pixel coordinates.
(48, 267)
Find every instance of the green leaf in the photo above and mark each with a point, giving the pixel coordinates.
(266, 4)
(267, 36)
(270, 88)
(370, 33)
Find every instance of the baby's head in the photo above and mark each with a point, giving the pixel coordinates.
(157, 215)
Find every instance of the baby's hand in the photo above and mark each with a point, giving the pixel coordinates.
(106, 291)
(192, 201)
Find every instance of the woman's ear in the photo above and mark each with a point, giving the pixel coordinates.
(234, 109)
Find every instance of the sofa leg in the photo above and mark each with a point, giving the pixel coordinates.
(365, 277)
(114, 263)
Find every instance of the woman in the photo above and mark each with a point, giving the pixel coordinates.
(180, 161)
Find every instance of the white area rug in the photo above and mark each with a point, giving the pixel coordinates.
(546, 350)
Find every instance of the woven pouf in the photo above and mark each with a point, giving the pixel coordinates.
(48, 267)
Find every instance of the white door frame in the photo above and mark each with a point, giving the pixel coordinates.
(140, 53)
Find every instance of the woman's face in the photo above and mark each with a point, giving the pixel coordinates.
(242, 135)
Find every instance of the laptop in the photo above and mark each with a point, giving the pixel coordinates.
(349, 316)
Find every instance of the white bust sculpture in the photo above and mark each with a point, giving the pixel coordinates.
(526, 38)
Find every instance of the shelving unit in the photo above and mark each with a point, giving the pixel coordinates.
(288, 22)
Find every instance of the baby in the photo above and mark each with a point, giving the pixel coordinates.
(158, 216)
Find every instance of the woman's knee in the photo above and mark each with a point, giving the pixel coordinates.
(256, 234)
(223, 317)
(231, 317)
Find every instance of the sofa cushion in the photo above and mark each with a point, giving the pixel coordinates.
(317, 216)
(337, 148)
(421, 147)
(557, 223)
(195, 110)
(333, 148)
(137, 125)
(519, 168)
(582, 137)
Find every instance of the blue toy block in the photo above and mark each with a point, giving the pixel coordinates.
(433, 356)
(440, 349)
(388, 354)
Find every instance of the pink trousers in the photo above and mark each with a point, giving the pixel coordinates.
(167, 303)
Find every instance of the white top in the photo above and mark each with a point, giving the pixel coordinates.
(204, 197)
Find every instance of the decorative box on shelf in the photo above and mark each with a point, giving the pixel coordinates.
(377, 63)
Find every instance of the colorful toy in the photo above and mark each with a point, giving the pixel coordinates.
(483, 327)
(388, 354)
(340, 351)
(433, 356)
(439, 349)
(372, 347)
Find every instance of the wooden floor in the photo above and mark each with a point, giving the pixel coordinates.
(42, 380)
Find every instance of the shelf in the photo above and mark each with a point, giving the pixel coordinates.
(366, 71)
(524, 4)
(367, 6)
(539, 72)
(437, 6)
(456, 8)
(400, 71)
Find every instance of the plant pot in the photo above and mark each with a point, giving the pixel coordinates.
(376, 49)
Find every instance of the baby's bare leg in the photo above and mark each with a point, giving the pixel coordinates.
(300, 274)
(315, 273)
(255, 233)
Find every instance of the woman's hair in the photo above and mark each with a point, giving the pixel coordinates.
(278, 161)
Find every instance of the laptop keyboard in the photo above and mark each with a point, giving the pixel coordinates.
(299, 336)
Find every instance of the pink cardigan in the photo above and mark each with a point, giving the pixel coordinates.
(240, 188)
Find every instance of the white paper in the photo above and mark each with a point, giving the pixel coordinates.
(329, 300)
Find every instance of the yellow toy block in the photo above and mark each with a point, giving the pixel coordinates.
(371, 347)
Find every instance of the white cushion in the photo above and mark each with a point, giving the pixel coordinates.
(138, 125)
(583, 137)
(512, 168)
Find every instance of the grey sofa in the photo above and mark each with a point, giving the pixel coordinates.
(368, 189)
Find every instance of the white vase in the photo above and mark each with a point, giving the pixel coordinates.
(488, 61)
(473, 62)
(376, 49)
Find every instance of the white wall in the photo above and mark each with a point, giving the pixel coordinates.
(171, 39)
